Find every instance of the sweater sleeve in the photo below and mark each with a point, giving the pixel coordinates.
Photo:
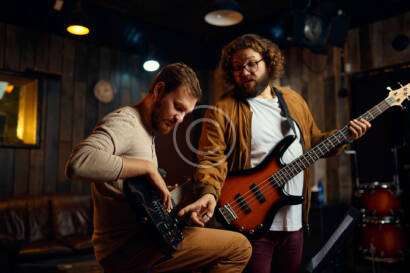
(98, 157)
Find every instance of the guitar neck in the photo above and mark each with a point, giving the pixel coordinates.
(336, 139)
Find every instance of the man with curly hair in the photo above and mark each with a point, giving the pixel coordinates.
(247, 122)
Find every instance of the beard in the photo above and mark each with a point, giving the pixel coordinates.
(157, 120)
(256, 90)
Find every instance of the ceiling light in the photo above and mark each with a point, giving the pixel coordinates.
(151, 65)
(78, 23)
(224, 13)
(78, 30)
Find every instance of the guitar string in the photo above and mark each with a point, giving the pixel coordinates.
(248, 197)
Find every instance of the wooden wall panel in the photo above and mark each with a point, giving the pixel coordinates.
(42, 50)
(69, 110)
(36, 175)
(125, 82)
(135, 82)
(104, 74)
(23, 61)
(2, 43)
(6, 172)
(28, 43)
(51, 140)
(12, 49)
(66, 113)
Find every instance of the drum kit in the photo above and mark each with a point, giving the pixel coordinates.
(382, 236)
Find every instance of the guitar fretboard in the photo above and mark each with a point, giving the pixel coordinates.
(336, 139)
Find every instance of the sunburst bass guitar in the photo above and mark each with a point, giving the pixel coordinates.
(249, 199)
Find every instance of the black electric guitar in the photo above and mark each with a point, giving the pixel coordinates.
(164, 227)
(249, 199)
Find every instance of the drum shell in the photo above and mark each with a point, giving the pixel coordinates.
(378, 199)
(382, 239)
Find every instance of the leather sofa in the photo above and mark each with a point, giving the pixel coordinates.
(35, 229)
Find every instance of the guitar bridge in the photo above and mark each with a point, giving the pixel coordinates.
(227, 213)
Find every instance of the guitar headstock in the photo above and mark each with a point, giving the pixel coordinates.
(397, 96)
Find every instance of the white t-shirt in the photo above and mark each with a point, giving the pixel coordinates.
(267, 124)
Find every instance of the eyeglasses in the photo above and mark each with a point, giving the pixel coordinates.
(250, 66)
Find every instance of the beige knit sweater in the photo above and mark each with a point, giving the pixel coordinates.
(98, 159)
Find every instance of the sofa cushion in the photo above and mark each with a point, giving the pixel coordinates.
(71, 216)
(39, 220)
(13, 218)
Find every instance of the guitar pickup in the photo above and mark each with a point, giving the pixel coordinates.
(243, 205)
(227, 213)
(258, 194)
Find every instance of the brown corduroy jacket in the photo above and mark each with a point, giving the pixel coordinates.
(225, 141)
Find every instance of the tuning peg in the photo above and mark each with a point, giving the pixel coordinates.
(389, 88)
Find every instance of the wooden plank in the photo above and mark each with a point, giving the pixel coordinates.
(67, 91)
(63, 184)
(51, 156)
(2, 43)
(365, 52)
(125, 81)
(390, 31)
(135, 82)
(28, 52)
(21, 171)
(12, 52)
(80, 87)
(115, 80)
(353, 49)
(22, 156)
(376, 36)
(78, 121)
(6, 172)
(66, 113)
(91, 113)
(55, 59)
(42, 48)
(104, 74)
(36, 178)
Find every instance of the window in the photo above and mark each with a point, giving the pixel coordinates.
(19, 110)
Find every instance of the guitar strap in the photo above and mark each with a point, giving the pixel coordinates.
(285, 113)
(284, 110)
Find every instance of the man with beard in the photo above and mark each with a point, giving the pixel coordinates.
(249, 120)
(121, 146)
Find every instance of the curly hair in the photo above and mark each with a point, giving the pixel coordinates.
(177, 74)
(269, 51)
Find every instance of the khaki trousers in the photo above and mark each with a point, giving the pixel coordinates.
(203, 249)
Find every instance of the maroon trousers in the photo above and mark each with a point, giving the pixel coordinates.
(277, 251)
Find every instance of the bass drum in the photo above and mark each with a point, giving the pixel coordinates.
(382, 239)
(378, 199)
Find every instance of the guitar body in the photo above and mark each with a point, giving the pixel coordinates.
(249, 199)
(164, 227)
(254, 202)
